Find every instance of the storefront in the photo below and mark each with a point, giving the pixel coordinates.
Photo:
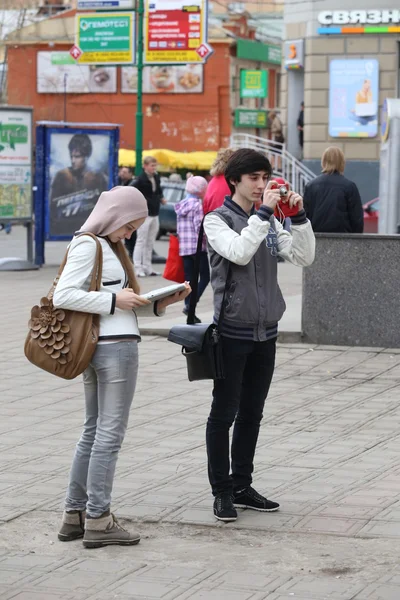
(343, 64)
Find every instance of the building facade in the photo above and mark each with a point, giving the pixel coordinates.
(184, 108)
(342, 62)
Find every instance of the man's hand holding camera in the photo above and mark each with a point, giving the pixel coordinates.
(275, 194)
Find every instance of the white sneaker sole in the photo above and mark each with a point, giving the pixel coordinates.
(226, 519)
(257, 509)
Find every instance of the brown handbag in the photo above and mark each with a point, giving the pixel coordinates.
(61, 341)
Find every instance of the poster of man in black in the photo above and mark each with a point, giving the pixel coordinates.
(75, 189)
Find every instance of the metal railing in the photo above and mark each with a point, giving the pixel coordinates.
(283, 163)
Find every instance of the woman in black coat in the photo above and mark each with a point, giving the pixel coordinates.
(331, 201)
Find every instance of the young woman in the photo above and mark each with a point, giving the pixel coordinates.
(189, 213)
(110, 380)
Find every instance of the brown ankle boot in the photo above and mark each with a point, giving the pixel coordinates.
(72, 526)
(106, 531)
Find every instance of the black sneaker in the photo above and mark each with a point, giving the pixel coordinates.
(223, 508)
(249, 498)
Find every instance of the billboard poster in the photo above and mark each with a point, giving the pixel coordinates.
(176, 79)
(353, 98)
(175, 29)
(15, 163)
(58, 72)
(79, 167)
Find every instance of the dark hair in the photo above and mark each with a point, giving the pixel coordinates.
(81, 142)
(243, 162)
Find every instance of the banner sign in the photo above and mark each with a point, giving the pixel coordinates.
(106, 38)
(251, 118)
(106, 4)
(175, 30)
(353, 97)
(59, 73)
(15, 163)
(178, 79)
(253, 84)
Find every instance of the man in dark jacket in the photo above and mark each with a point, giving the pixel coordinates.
(149, 184)
(331, 201)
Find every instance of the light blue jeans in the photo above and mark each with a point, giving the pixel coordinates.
(109, 383)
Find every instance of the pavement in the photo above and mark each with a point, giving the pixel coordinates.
(328, 451)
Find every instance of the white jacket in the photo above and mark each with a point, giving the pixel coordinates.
(72, 292)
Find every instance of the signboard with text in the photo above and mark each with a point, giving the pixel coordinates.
(253, 84)
(106, 4)
(106, 38)
(15, 163)
(251, 118)
(174, 31)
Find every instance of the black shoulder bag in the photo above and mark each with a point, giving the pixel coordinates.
(201, 342)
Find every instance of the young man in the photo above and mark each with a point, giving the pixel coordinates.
(149, 184)
(244, 246)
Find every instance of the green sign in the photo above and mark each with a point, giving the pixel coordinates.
(253, 84)
(106, 38)
(252, 50)
(251, 118)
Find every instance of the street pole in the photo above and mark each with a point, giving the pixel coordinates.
(139, 108)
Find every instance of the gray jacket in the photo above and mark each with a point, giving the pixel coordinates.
(253, 296)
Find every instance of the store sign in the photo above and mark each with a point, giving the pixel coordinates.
(251, 118)
(252, 50)
(353, 98)
(174, 79)
(253, 84)
(107, 38)
(15, 163)
(294, 54)
(176, 32)
(385, 120)
(361, 17)
(106, 4)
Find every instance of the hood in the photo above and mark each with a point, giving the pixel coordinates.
(185, 206)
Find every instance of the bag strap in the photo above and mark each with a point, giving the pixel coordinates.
(194, 284)
(95, 281)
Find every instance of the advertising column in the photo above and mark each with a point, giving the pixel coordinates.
(16, 176)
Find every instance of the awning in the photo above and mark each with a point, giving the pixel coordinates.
(169, 159)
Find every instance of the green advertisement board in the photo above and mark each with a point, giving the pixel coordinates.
(15, 163)
(253, 84)
(106, 38)
(251, 118)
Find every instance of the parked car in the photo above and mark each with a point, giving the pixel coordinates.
(173, 193)
(371, 216)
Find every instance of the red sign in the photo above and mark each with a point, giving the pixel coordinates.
(204, 51)
(175, 29)
(75, 52)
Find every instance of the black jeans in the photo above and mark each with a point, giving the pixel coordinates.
(188, 265)
(249, 367)
(130, 244)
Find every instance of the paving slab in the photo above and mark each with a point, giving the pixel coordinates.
(328, 451)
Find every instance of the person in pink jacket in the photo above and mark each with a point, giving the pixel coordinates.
(217, 188)
(189, 216)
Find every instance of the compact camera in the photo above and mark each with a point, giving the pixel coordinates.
(283, 209)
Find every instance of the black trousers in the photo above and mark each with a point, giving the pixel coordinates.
(204, 274)
(239, 398)
(130, 245)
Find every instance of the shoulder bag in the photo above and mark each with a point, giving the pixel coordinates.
(201, 342)
(62, 342)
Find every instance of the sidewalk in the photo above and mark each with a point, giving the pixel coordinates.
(328, 451)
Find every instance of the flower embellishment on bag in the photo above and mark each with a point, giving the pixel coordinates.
(46, 325)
